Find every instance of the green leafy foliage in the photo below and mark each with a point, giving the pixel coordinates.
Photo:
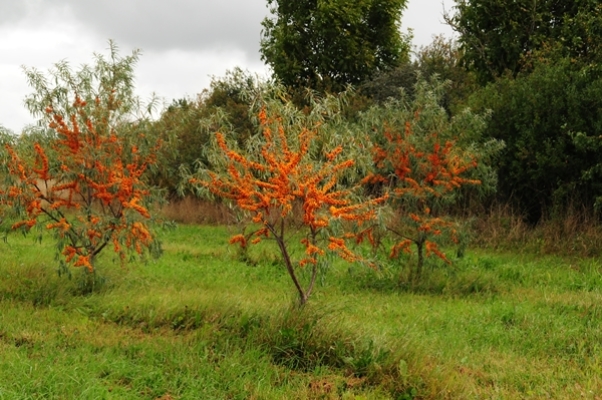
(542, 61)
(537, 115)
(186, 125)
(440, 61)
(502, 35)
(326, 45)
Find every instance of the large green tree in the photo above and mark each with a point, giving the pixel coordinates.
(543, 171)
(497, 36)
(547, 110)
(439, 61)
(327, 44)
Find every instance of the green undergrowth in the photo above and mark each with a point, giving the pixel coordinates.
(199, 323)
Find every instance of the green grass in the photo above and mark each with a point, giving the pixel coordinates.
(199, 324)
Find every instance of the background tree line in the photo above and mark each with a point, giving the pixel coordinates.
(534, 67)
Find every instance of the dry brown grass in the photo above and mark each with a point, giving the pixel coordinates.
(576, 233)
(191, 210)
(500, 226)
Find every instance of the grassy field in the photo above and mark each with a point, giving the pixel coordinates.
(200, 324)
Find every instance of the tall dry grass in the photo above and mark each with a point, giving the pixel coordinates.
(573, 233)
(192, 210)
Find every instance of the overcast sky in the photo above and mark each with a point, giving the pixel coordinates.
(183, 42)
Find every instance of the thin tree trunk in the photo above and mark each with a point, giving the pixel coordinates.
(291, 271)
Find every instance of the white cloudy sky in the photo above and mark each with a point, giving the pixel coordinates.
(183, 42)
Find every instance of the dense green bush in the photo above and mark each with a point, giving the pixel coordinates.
(537, 115)
(187, 124)
(440, 61)
(504, 36)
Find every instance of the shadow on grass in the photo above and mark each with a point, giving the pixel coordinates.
(463, 278)
(41, 285)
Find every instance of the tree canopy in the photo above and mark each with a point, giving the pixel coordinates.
(326, 45)
(501, 35)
